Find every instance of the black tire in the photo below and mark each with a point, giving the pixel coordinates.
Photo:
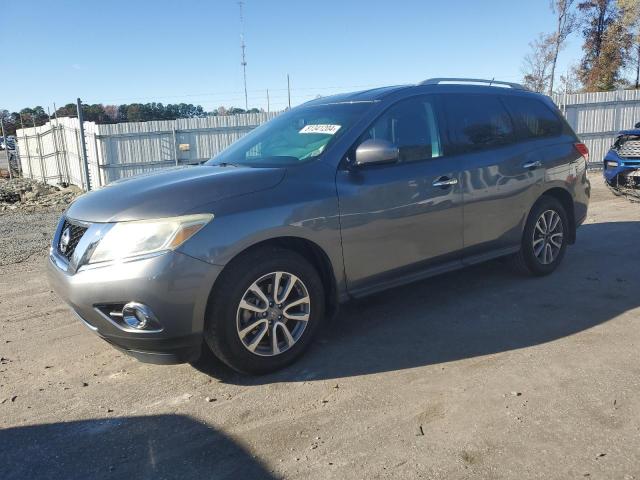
(221, 333)
(525, 261)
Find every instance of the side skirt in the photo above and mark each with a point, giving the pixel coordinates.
(430, 272)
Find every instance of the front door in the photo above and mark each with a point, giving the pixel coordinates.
(399, 219)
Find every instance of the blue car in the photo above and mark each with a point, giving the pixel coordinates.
(622, 162)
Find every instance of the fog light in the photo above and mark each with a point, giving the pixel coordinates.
(139, 316)
(611, 164)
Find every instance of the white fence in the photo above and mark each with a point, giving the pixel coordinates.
(52, 153)
(597, 117)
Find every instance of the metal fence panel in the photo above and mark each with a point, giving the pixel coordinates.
(52, 152)
(597, 117)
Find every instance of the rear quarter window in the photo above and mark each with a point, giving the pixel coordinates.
(533, 118)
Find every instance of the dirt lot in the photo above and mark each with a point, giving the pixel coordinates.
(476, 374)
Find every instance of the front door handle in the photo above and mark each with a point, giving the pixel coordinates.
(532, 165)
(445, 182)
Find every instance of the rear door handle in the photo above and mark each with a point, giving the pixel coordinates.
(445, 182)
(532, 165)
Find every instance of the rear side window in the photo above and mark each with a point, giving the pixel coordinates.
(534, 118)
(478, 122)
(411, 125)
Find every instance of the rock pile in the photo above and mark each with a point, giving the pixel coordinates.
(30, 196)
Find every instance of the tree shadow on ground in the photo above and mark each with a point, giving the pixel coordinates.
(153, 447)
(477, 311)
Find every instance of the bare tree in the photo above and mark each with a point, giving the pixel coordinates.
(565, 25)
(111, 112)
(538, 63)
(569, 82)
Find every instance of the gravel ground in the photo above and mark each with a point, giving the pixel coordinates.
(23, 236)
(474, 374)
(29, 213)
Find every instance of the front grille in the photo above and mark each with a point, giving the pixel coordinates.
(629, 149)
(70, 237)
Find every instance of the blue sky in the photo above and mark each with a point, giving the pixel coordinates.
(113, 51)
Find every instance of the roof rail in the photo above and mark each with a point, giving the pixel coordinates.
(436, 81)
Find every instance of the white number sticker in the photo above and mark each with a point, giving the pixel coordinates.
(326, 129)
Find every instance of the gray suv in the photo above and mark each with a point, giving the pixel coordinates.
(338, 198)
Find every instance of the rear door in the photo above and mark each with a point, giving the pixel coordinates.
(394, 220)
(497, 171)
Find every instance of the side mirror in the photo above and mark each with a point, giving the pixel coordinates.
(376, 151)
(637, 125)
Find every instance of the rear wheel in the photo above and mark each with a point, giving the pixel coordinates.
(265, 311)
(544, 239)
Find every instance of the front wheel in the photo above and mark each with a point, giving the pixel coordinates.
(544, 239)
(265, 310)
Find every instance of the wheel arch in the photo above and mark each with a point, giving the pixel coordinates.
(308, 249)
(566, 200)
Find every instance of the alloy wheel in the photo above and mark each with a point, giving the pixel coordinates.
(273, 314)
(548, 236)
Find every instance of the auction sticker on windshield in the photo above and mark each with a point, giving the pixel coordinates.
(326, 129)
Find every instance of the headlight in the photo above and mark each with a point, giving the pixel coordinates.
(143, 237)
(611, 164)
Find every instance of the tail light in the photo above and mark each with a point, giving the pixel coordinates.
(582, 150)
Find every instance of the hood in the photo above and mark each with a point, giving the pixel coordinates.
(170, 193)
(635, 131)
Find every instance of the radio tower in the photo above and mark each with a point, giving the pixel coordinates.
(244, 61)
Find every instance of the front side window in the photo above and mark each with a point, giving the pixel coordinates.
(535, 119)
(411, 126)
(477, 122)
(297, 136)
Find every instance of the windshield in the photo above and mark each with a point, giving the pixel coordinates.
(294, 137)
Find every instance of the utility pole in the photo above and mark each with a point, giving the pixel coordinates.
(83, 145)
(244, 60)
(638, 67)
(268, 104)
(289, 90)
(25, 137)
(57, 130)
(6, 148)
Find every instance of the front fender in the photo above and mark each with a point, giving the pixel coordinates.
(304, 206)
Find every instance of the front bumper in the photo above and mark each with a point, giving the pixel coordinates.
(625, 166)
(175, 286)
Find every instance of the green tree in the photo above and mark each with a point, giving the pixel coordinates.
(135, 112)
(35, 116)
(10, 121)
(69, 110)
(94, 113)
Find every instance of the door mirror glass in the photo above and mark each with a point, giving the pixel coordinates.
(638, 125)
(376, 151)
